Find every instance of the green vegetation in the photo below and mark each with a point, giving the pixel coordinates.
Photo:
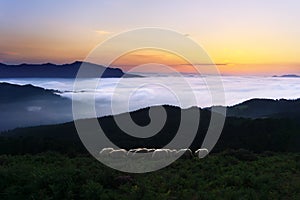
(227, 175)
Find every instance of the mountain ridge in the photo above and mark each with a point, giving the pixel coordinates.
(15, 92)
(257, 135)
(70, 70)
(287, 76)
(265, 108)
(28, 105)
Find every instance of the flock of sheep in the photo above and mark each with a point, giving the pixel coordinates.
(152, 153)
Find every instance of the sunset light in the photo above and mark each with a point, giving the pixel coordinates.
(246, 36)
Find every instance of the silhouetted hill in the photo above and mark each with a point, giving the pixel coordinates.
(288, 76)
(49, 70)
(27, 105)
(257, 135)
(266, 108)
(12, 93)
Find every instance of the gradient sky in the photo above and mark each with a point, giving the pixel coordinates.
(250, 36)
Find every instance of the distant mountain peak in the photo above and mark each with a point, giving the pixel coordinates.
(288, 76)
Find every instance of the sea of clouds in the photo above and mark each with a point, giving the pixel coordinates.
(113, 95)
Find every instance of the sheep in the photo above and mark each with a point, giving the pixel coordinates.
(172, 153)
(156, 153)
(184, 153)
(151, 150)
(118, 153)
(142, 153)
(131, 152)
(149, 153)
(141, 150)
(201, 153)
(160, 154)
(105, 152)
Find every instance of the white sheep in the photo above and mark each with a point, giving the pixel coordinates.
(141, 150)
(142, 153)
(160, 154)
(118, 153)
(105, 152)
(184, 153)
(130, 152)
(172, 153)
(201, 153)
(151, 150)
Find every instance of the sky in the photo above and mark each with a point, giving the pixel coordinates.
(244, 37)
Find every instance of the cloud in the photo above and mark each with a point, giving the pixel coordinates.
(237, 89)
(103, 32)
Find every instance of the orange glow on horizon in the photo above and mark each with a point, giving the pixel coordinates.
(245, 61)
(157, 58)
(153, 59)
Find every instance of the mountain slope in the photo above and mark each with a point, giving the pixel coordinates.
(27, 105)
(256, 135)
(266, 108)
(12, 93)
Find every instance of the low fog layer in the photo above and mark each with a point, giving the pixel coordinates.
(134, 93)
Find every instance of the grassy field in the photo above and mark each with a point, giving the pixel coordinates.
(226, 175)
